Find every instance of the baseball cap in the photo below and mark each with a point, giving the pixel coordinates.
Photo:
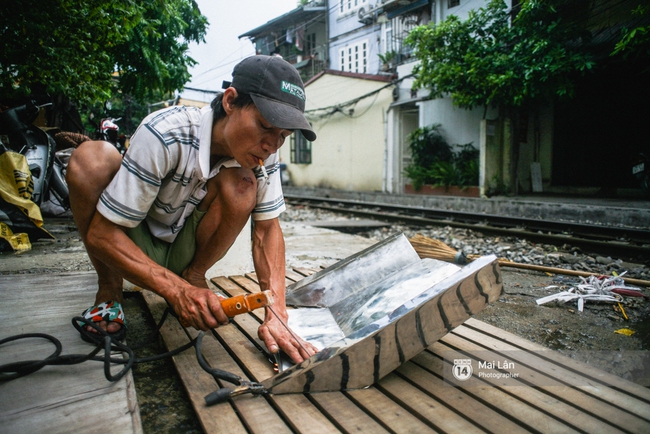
(276, 89)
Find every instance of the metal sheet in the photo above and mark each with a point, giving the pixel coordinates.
(315, 325)
(352, 274)
(379, 308)
(381, 298)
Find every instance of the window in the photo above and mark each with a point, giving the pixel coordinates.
(354, 58)
(300, 149)
(350, 5)
(452, 3)
(396, 31)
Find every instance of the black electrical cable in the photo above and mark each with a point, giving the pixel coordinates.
(14, 370)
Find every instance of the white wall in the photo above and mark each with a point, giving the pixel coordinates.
(458, 126)
(345, 31)
(350, 150)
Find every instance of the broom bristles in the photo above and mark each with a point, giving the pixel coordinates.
(427, 247)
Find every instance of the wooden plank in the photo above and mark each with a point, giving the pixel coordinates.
(486, 417)
(134, 407)
(417, 397)
(248, 325)
(619, 383)
(578, 382)
(345, 413)
(256, 412)
(58, 388)
(303, 416)
(227, 285)
(305, 271)
(341, 411)
(293, 275)
(336, 406)
(296, 409)
(550, 385)
(246, 283)
(533, 398)
(250, 282)
(439, 416)
(528, 407)
(219, 418)
(390, 414)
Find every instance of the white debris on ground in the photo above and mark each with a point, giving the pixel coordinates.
(594, 288)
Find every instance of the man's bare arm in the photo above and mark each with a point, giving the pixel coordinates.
(269, 261)
(196, 307)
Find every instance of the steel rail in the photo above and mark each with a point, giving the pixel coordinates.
(631, 242)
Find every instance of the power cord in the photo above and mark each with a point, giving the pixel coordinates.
(14, 370)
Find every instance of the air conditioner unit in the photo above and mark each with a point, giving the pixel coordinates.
(364, 17)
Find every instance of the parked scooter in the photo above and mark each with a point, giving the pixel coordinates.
(39, 149)
(109, 131)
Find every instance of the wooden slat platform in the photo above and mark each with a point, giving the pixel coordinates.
(57, 399)
(552, 393)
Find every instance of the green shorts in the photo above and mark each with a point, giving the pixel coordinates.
(174, 256)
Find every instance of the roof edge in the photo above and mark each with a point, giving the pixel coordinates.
(372, 77)
(277, 20)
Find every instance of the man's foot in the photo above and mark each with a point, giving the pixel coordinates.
(109, 316)
(194, 278)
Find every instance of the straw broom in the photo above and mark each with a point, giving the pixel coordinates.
(427, 247)
(431, 248)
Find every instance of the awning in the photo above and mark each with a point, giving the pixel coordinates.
(408, 8)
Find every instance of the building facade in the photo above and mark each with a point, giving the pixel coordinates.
(299, 36)
(347, 112)
(555, 148)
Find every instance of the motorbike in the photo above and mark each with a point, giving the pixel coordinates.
(38, 147)
(109, 131)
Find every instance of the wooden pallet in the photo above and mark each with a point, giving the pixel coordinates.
(551, 394)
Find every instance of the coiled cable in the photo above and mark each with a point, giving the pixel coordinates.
(14, 370)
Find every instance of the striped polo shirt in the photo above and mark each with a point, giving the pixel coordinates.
(163, 174)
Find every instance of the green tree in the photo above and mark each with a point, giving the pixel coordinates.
(76, 48)
(153, 59)
(509, 59)
(635, 40)
(493, 59)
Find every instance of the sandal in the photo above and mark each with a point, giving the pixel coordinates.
(109, 311)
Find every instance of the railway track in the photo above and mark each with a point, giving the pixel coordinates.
(609, 240)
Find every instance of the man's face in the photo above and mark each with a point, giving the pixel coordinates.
(251, 138)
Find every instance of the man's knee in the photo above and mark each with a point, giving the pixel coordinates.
(236, 187)
(245, 184)
(93, 160)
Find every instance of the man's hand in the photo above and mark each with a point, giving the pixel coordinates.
(199, 308)
(277, 337)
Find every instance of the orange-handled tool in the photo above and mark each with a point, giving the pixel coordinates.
(246, 302)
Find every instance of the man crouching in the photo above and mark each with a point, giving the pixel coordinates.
(163, 214)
